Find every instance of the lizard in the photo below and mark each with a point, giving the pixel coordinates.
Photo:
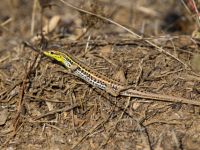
(100, 81)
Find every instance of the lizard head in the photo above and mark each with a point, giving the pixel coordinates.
(60, 57)
(55, 55)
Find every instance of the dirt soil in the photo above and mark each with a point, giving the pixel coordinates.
(43, 106)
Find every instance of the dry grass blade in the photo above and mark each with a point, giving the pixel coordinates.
(33, 17)
(57, 111)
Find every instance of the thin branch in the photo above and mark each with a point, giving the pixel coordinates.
(160, 49)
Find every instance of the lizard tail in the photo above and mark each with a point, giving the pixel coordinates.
(159, 97)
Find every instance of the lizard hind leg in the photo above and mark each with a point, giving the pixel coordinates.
(116, 91)
(127, 88)
(113, 92)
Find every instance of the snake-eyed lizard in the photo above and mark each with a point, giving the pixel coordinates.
(102, 82)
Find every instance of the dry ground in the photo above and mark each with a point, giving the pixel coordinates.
(42, 106)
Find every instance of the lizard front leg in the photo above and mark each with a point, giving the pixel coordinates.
(72, 68)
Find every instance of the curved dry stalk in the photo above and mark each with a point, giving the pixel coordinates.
(160, 49)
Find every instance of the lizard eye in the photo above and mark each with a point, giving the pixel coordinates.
(52, 52)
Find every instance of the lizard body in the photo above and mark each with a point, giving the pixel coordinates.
(102, 82)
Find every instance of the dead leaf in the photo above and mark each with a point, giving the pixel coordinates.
(106, 51)
(136, 105)
(120, 76)
(196, 62)
(3, 116)
(51, 25)
(50, 106)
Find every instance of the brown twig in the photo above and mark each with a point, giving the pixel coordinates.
(57, 111)
(37, 98)
(5, 93)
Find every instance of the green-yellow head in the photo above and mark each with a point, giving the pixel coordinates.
(60, 57)
(56, 55)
